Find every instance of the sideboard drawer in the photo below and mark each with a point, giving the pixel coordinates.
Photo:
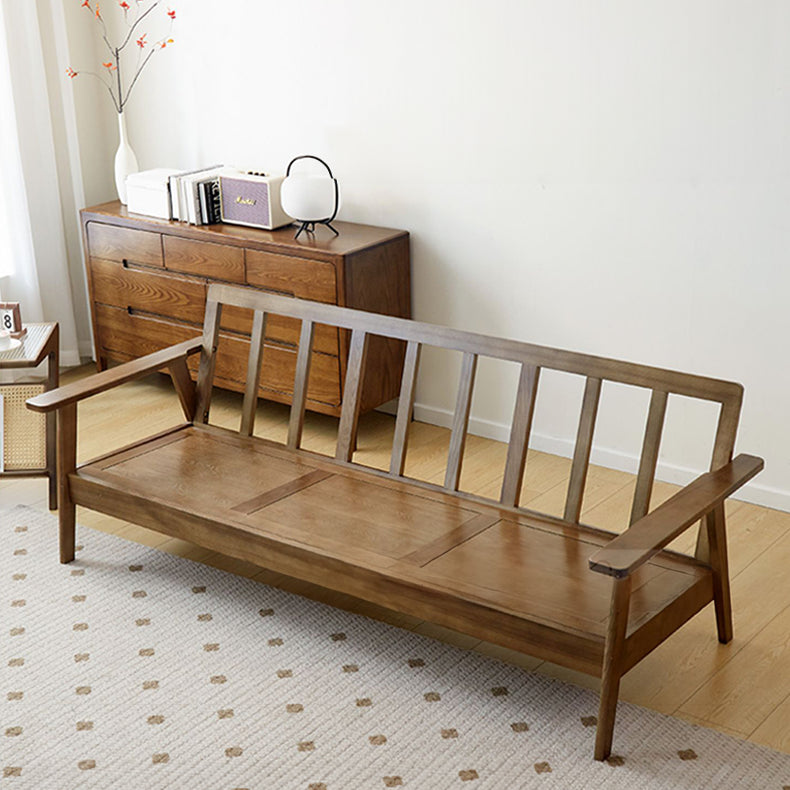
(292, 276)
(124, 244)
(149, 290)
(124, 336)
(217, 261)
(134, 336)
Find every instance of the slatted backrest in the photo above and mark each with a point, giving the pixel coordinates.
(531, 359)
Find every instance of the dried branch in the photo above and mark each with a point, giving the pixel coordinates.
(115, 87)
(137, 22)
(118, 74)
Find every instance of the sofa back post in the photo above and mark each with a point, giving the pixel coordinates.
(531, 360)
(723, 449)
(208, 358)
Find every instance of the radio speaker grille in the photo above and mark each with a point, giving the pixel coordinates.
(246, 202)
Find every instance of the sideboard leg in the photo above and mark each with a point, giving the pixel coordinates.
(612, 666)
(67, 463)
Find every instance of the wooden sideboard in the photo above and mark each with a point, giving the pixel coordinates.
(148, 280)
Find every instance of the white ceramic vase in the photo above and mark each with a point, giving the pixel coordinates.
(125, 160)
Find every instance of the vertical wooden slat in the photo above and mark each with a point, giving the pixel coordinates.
(519, 435)
(405, 407)
(296, 423)
(581, 453)
(250, 404)
(67, 463)
(723, 447)
(208, 359)
(463, 404)
(349, 414)
(649, 459)
(185, 387)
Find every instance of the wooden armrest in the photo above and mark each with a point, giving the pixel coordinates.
(644, 539)
(99, 382)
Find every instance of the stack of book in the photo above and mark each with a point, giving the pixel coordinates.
(194, 194)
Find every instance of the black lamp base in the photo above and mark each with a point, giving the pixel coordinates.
(309, 226)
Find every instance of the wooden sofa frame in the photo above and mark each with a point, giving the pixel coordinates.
(585, 598)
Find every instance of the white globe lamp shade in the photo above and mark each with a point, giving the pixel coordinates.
(308, 198)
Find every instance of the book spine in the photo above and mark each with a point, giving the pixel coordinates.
(172, 186)
(193, 191)
(182, 194)
(215, 208)
(203, 197)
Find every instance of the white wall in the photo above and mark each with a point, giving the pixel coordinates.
(610, 177)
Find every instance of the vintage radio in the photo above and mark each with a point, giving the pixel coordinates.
(253, 200)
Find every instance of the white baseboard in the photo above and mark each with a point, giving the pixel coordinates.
(755, 493)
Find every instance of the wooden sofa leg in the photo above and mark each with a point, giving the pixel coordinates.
(612, 666)
(67, 463)
(717, 548)
(67, 519)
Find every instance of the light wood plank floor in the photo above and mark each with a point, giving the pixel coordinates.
(742, 689)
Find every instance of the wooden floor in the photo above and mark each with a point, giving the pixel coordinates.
(742, 689)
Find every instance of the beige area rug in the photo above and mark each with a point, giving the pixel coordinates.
(132, 668)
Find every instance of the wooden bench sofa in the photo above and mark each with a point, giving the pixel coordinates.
(564, 592)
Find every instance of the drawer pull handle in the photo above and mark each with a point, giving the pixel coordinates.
(125, 263)
(129, 310)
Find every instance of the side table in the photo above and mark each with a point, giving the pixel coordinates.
(42, 341)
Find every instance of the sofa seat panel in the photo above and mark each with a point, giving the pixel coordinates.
(438, 545)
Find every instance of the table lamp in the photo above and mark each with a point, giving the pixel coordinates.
(309, 198)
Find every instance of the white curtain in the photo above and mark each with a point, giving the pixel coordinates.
(33, 253)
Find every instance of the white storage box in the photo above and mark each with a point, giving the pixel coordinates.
(148, 193)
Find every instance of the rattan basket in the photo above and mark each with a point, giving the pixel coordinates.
(24, 431)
